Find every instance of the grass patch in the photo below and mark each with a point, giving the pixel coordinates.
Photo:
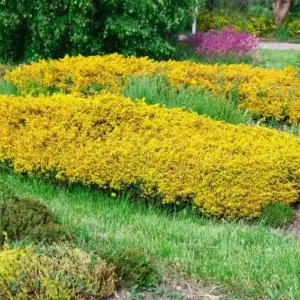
(156, 90)
(232, 254)
(185, 52)
(7, 88)
(277, 59)
(278, 215)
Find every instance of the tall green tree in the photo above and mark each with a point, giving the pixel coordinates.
(33, 29)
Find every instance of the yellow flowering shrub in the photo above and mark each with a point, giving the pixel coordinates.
(58, 272)
(108, 140)
(264, 92)
(293, 26)
(259, 25)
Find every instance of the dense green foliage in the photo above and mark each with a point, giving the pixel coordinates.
(26, 218)
(278, 215)
(135, 267)
(261, 6)
(51, 29)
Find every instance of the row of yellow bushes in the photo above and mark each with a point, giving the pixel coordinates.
(264, 92)
(223, 170)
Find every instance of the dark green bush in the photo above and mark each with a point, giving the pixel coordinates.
(135, 268)
(52, 29)
(278, 215)
(6, 192)
(26, 218)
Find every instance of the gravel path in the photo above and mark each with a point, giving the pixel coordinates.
(278, 46)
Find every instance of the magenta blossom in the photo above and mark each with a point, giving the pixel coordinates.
(220, 43)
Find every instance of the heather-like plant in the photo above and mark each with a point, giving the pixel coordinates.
(221, 43)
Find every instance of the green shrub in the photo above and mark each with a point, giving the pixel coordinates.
(239, 5)
(156, 90)
(278, 215)
(26, 218)
(54, 273)
(6, 192)
(42, 29)
(135, 268)
(12, 32)
(249, 22)
(282, 34)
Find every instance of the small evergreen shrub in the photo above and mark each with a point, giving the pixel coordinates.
(54, 273)
(278, 215)
(26, 218)
(135, 268)
(6, 192)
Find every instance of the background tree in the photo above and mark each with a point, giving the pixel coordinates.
(281, 9)
(33, 29)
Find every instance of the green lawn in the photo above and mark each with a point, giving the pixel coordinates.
(249, 261)
(279, 58)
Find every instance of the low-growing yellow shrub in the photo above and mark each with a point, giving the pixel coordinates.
(293, 26)
(259, 25)
(268, 93)
(223, 170)
(54, 273)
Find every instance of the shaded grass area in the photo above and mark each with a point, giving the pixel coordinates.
(249, 261)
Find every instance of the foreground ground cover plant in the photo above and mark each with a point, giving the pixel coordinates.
(55, 272)
(268, 93)
(226, 255)
(176, 157)
(222, 43)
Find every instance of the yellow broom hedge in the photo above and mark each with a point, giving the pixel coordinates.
(223, 170)
(264, 92)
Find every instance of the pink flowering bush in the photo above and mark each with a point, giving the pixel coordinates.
(221, 43)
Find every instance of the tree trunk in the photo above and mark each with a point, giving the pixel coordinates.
(280, 10)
